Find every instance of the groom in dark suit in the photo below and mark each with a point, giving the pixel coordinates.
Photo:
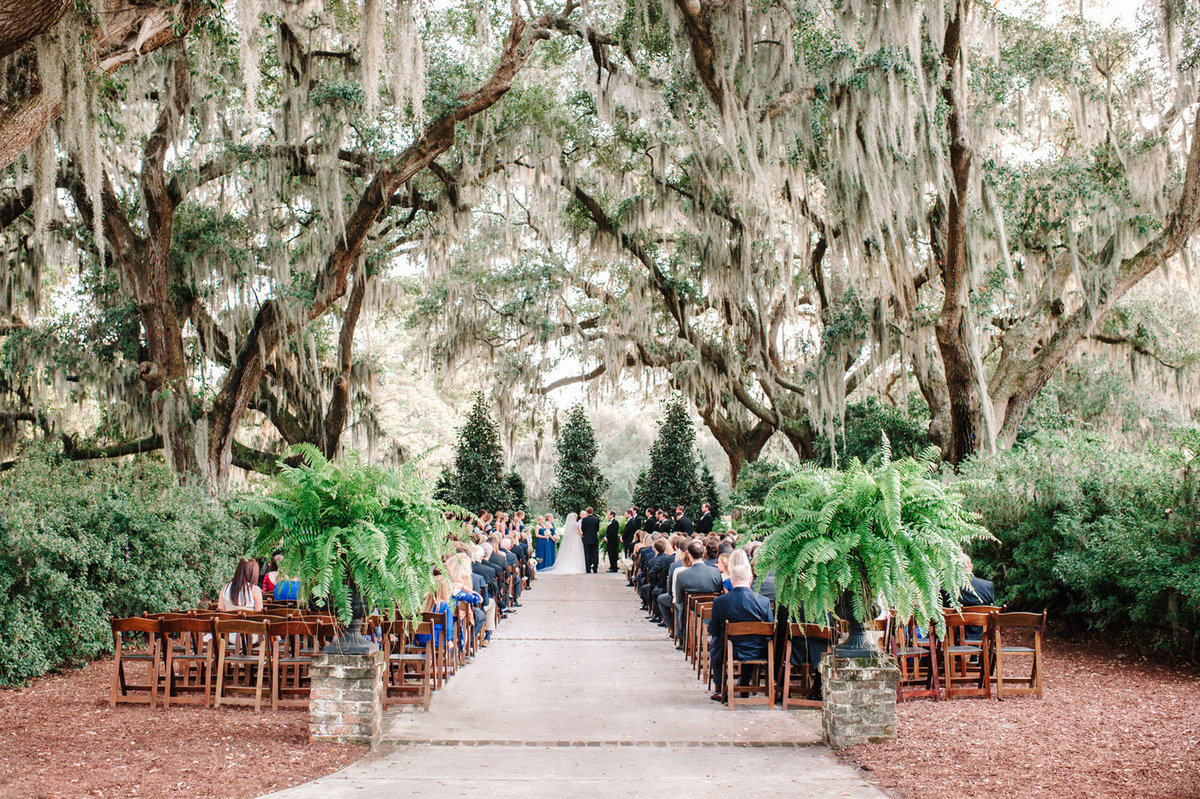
(612, 541)
(589, 525)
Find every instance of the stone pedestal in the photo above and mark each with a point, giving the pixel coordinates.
(858, 700)
(346, 702)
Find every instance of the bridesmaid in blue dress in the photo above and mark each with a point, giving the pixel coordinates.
(544, 545)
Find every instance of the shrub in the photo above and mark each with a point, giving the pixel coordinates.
(1103, 538)
(80, 542)
(867, 422)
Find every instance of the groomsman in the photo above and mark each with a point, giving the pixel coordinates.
(612, 541)
(589, 526)
(633, 523)
(683, 524)
(705, 525)
(664, 523)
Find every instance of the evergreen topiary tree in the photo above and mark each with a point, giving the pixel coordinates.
(707, 491)
(670, 478)
(477, 480)
(578, 481)
(516, 490)
(443, 489)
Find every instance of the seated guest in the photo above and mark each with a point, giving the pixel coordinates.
(696, 578)
(723, 567)
(647, 553)
(766, 583)
(975, 593)
(740, 604)
(712, 550)
(514, 568)
(272, 576)
(660, 568)
(659, 560)
(664, 599)
(242, 592)
(979, 591)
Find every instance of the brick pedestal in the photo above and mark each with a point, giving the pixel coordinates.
(346, 703)
(858, 700)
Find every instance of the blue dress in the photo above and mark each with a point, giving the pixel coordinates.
(545, 551)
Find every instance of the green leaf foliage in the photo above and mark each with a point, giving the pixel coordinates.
(885, 529)
(345, 521)
(82, 542)
(578, 482)
(1103, 537)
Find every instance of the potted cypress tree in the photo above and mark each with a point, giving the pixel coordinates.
(356, 537)
(839, 540)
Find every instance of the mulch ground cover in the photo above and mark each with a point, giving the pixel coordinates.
(60, 738)
(1110, 724)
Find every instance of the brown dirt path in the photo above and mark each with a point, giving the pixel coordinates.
(60, 738)
(1110, 725)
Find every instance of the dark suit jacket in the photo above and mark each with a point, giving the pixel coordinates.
(488, 572)
(590, 527)
(684, 525)
(664, 526)
(740, 604)
(767, 589)
(612, 534)
(979, 592)
(632, 525)
(658, 568)
(705, 525)
(479, 586)
(699, 578)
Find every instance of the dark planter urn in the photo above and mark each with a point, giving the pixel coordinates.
(857, 644)
(352, 641)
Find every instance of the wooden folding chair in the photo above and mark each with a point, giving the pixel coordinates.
(703, 663)
(440, 671)
(242, 646)
(761, 673)
(962, 677)
(1032, 625)
(917, 659)
(798, 683)
(293, 644)
(408, 677)
(188, 646)
(123, 690)
(687, 636)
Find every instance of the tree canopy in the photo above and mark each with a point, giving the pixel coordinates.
(776, 209)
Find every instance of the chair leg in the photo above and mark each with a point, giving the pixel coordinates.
(220, 675)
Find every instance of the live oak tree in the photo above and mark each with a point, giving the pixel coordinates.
(767, 208)
(579, 482)
(773, 208)
(285, 227)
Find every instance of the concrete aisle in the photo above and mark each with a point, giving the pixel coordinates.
(578, 696)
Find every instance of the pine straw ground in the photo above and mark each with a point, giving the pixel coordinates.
(1109, 725)
(60, 738)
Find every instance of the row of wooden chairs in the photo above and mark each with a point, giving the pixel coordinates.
(978, 642)
(964, 667)
(217, 658)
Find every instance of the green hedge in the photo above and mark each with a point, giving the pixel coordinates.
(82, 542)
(1105, 538)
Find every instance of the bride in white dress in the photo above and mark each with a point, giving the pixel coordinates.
(570, 553)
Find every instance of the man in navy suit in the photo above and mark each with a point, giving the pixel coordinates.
(740, 604)
(705, 525)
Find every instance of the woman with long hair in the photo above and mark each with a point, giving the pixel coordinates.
(242, 592)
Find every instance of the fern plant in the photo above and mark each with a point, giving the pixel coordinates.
(885, 528)
(348, 522)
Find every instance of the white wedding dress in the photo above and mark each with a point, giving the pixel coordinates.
(570, 552)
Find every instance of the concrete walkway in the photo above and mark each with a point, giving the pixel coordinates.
(578, 696)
